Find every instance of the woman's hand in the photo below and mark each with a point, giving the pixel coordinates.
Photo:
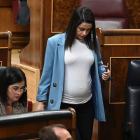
(40, 106)
(106, 75)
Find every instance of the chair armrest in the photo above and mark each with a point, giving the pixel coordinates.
(127, 126)
(29, 106)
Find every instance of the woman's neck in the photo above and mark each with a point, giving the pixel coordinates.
(8, 109)
(10, 103)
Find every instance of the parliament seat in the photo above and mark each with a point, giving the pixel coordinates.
(27, 125)
(131, 126)
(109, 14)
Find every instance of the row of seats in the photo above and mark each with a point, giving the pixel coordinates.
(27, 125)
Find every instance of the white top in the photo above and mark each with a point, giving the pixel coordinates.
(77, 80)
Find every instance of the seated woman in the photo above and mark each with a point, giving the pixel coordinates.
(13, 92)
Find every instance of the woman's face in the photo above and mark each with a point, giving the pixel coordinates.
(15, 91)
(83, 30)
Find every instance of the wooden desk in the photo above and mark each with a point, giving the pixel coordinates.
(118, 47)
(5, 48)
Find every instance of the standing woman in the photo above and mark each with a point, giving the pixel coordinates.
(72, 68)
(13, 92)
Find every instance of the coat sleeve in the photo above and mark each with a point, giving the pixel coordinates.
(46, 77)
(101, 68)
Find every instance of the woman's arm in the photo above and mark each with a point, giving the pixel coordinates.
(101, 68)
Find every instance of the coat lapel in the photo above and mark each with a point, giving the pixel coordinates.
(61, 48)
(61, 52)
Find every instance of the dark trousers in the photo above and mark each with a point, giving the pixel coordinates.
(84, 119)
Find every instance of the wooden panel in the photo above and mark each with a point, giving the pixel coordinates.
(46, 26)
(34, 127)
(6, 15)
(119, 36)
(118, 48)
(61, 14)
(5, 48)
(7, 23)
(20, 39)
(126, 39)
(119, 67)
(3, 42)
(31, 55)
(6, 3)
(133, 9)
(3, 56)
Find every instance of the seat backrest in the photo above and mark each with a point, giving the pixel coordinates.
(133, 98)
(27, 125)
(109, 14)
(2, 69)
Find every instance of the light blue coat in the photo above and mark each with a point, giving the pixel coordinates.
(53, 76)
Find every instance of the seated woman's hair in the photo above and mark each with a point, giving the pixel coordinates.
(11, 76)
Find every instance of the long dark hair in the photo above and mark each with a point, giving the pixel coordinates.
(10, 76)
(81, 14)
